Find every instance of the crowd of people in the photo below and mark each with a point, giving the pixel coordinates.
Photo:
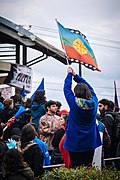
(47, 134)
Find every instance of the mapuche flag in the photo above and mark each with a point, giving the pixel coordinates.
(77, 47)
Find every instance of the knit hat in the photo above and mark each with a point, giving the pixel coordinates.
(64, 112)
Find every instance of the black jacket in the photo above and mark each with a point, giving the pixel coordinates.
(34, 157)
(22, 174)
(57, 137)
(107, 120)
(3, 150)
(6, 114)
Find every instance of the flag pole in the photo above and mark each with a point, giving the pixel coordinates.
(64, 48)
(78, 32)
(116, 98)
(80, 69)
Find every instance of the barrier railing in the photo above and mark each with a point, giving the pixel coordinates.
(112, 159)
(50, 167)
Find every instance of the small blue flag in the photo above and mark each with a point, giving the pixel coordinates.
(23, 93)
(40, 87)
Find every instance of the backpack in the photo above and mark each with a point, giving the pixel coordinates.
(115, 126)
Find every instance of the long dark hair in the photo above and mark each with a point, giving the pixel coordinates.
(81, 90)
(28, 134)
(13, 161)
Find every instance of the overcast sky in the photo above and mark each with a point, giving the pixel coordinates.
(98, 20)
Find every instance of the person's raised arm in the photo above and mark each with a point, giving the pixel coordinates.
(67, 86)
(79, 79)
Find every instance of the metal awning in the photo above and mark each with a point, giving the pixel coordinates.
(15, 34)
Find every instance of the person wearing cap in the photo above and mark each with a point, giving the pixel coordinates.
(63, 112)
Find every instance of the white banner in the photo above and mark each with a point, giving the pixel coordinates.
(20, 76)
(6, 91)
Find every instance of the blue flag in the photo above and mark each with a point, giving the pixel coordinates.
(40, 87)
(115, 97)
(23, 93)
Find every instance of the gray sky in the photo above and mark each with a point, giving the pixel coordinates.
(98, 20)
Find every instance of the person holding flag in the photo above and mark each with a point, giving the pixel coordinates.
(82, 135)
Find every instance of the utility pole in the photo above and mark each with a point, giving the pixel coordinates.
(80, 69)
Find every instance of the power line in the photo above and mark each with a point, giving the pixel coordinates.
(106, 95)
(53, 89)
(104, 39)
(55, 31)
(62, 85)
(41, 28)
(105, 46)
(105, 87)
(96, 93)
(47, 35)
(90, 43)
